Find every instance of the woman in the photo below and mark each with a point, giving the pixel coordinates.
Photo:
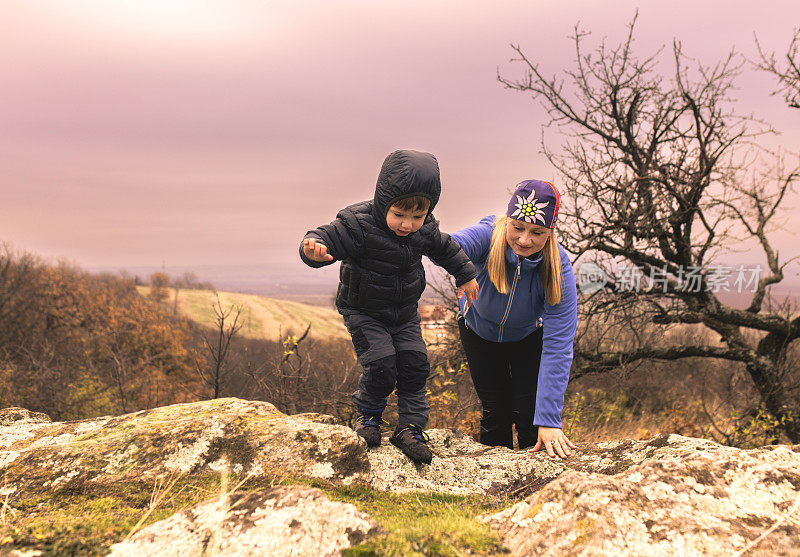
(518, 333)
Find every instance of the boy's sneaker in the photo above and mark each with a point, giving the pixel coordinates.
(368, 426)
(413, 442)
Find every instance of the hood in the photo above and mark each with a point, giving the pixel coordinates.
(405, 174)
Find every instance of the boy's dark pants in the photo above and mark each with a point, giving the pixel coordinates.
(392, 356)
(505, 375)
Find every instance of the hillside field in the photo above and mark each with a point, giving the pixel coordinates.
(261, 317)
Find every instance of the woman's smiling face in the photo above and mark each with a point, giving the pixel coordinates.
(526, 238)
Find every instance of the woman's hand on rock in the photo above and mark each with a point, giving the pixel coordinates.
(554, 441)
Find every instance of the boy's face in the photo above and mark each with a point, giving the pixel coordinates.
(404, 222)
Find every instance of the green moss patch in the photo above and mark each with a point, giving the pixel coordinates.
(88, 518)
(424, 523)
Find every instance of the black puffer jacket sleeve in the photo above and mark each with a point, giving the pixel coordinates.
(445, 252)
(344, 239)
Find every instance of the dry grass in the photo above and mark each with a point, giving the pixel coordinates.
(89, 521)
(161, 488)
(262, 318)
(785, 516)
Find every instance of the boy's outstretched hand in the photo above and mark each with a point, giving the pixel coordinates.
(470, 289)
(316, 251)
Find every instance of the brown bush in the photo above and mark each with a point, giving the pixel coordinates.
(159, 283)
(74, 345)
(319, 375)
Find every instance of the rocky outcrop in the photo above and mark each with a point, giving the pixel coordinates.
(18, 416)
(463, 467)
(710, 501)
(281, 521)
(224, 434)
(254, 438)
(669, 494)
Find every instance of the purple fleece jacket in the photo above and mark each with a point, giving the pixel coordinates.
(510, 317)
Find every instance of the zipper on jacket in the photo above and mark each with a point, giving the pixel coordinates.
(510, 299)
(402, 268)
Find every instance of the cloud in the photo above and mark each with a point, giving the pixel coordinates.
(135, 131)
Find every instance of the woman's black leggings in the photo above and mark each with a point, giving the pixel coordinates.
(505, 375)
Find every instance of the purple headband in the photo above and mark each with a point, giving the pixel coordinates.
(535, 201)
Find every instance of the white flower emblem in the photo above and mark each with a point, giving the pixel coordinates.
(530, 209)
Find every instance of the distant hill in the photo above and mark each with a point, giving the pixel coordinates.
(261, 317)
(286, 281)
(296, 282)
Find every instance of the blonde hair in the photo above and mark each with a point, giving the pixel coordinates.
(551, 263)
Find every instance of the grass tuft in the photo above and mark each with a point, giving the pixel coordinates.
(424, 523)
(88, 521)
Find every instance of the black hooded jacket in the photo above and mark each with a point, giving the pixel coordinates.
(382, 274)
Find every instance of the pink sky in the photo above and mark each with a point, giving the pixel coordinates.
(217, 132)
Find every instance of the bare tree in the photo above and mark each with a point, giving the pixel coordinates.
(663, 176)
(785, 70)
(290, 370)
(19, 273)
(216, 373)
(447, 346)
(451, 392)
(301, 373)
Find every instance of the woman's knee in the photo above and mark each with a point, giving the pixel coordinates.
(496, 414)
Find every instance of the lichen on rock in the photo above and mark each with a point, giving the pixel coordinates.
(691, 497)
(662, 496)
(183, 439)
(460, 466)
(16, 415)
(282, 521)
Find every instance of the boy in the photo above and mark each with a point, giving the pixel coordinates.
(380, 244)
